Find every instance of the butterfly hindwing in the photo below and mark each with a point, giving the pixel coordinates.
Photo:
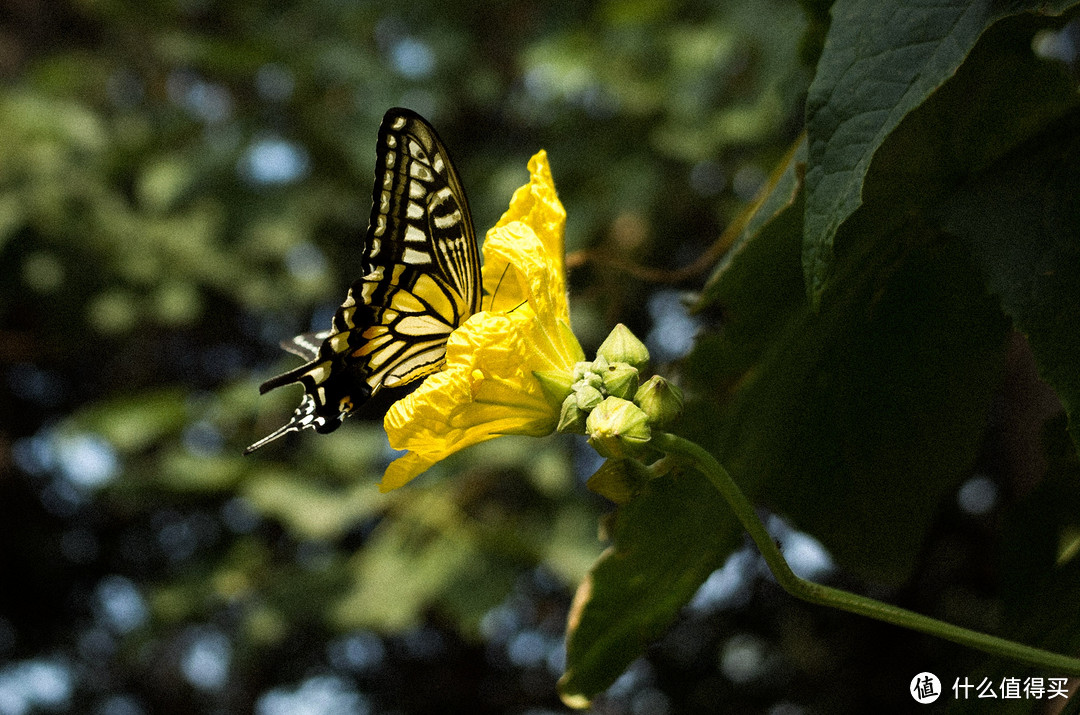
(421, 281)
(306, 345)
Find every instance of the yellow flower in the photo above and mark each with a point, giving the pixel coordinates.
(487, 388)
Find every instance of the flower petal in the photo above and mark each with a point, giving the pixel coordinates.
(537, 205)
(487, 388)
(528, 237)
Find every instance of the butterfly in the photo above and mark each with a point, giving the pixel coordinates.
(421, 281)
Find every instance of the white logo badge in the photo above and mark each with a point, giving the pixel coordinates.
(925, 688)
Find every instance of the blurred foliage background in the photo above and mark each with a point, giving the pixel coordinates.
(183, 183)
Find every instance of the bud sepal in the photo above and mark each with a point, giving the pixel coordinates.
(661, 400)
(618, 428)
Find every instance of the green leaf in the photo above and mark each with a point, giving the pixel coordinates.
(407, 564)
(185, 472)
(667, 541)
(1021, 220)
(856, 420)
(888, 399)
(758, 285)
(881, 60)
(786, 190)
(163, 182)
(311, 510)
(133, 423)
(457, 546)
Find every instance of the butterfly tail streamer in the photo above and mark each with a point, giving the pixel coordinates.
(311, 413)
(303, 418)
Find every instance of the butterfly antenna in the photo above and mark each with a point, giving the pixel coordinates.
(497, 285)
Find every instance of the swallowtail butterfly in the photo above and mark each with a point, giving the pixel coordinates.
(421, 281)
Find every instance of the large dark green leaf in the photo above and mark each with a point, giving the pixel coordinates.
(667, 540)
(1021, 220)
(855, 420)
(881, 60)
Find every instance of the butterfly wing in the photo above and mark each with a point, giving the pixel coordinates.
(421, 281)
(306, 345)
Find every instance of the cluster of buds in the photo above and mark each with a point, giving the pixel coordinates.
(607, 402)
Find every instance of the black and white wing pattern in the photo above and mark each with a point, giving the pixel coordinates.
(421, 281)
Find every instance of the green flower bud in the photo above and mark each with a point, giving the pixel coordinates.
(593, 379)
(617, 428)
(571, 417)
(556, 384)
(622, 346)
(660, 400)
(589, 379)
(587, 396)
(582, 370)
(619, 479)
(620, 380)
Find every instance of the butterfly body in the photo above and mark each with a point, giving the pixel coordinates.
(421, 281)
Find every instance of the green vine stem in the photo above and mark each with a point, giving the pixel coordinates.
(844, 600)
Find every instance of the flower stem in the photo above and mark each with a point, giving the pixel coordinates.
(838, 598)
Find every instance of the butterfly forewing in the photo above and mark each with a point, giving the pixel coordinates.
(421, 281)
